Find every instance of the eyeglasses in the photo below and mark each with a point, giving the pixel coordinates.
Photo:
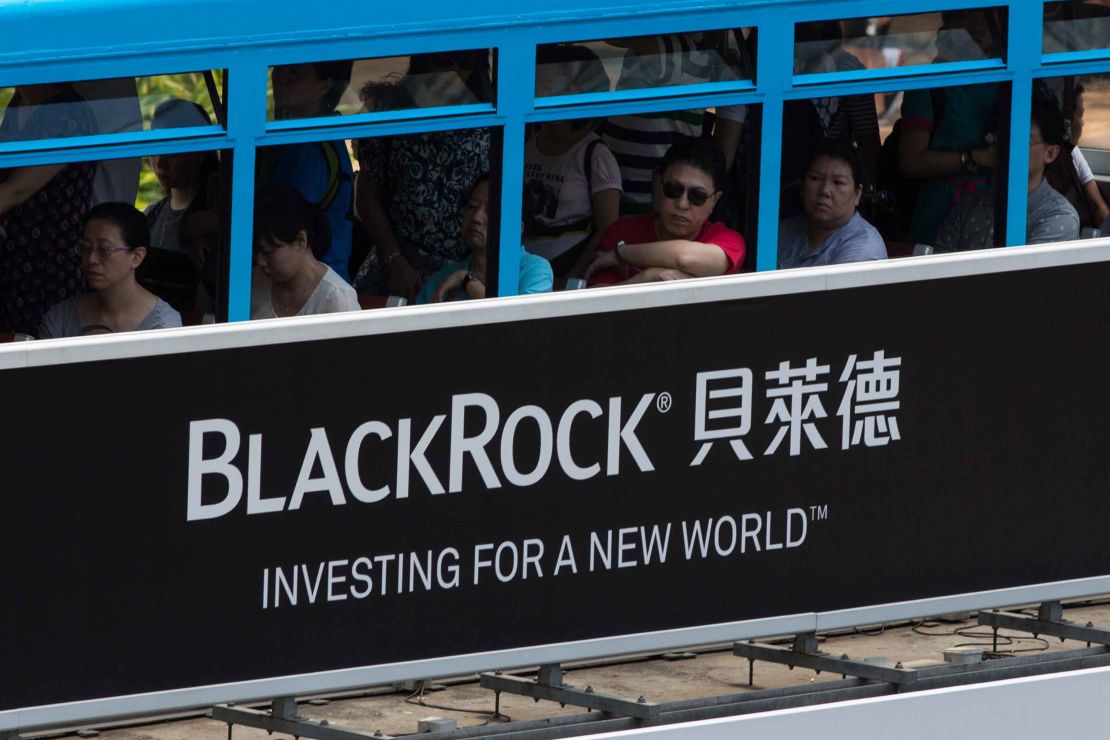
(102, 252)
(674, 190)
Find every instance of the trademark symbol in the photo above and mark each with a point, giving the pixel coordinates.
(663, 402)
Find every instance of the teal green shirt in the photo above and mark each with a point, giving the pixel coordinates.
(535, 277)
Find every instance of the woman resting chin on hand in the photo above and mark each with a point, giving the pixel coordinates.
(114, 244)
(677, 241)
(467, 278)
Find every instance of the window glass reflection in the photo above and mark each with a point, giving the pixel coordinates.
(897, 41)
(1076, 25)
(644, 62)
(368, 85)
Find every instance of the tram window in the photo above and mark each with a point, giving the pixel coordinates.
(640, 62)
(1076, 179)
(410, 196)
(893, 200)
(1076, 25)
(389, 83)
(59, 110)
(589, 184)
(161, 251)
(897, 41)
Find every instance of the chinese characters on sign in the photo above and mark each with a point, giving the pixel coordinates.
(867, 408)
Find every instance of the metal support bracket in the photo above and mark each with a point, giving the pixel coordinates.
(804, 653)
(1049, 621)
(283, 718)
(549, 685)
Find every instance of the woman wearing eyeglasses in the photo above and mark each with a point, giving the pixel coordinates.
(676, 240)
(114, 244)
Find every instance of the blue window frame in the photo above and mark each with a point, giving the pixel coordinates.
(89, 39)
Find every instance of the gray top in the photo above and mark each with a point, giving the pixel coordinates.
(855, 241)
(1049, 217)
(62, 320)
(165, 225)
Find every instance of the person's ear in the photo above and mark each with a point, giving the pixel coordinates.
(301, 239)
(138, 254)
(714, 198)
(1051, 152)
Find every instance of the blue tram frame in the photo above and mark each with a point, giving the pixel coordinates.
(64, 40)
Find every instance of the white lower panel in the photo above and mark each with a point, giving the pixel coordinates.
(1063, 705)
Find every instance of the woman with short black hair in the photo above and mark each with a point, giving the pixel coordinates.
(291, 235)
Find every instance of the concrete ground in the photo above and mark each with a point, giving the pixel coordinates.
(713, 672)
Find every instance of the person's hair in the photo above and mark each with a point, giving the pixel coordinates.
(179, 113)
(482, 178)
(383, 94)
(339, 73)
(176, 113)
(280, 212)
(701, 154)
(1049, 120)
(841, 151)
(129, 220)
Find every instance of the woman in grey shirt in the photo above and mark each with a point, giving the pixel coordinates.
(831, 231)
(114, 244)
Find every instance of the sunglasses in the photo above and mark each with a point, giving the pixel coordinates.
(674, 190)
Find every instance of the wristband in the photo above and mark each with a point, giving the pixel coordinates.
(967, 160)
(617, 252)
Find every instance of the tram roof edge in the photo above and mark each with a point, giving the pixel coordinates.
(53, 30)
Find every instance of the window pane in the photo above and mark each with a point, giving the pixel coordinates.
(369, 85)
(911, 194)
(1076, 25)
(640, 62)
(1071, 122)
(33, 112)
(897, 41)
(589, 184)
(412, 191)
(51, 251)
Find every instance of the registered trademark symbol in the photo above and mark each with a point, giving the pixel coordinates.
(663, 402)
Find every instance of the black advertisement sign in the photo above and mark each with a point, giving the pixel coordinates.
(233, 515)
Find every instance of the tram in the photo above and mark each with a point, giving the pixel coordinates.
(255, 509)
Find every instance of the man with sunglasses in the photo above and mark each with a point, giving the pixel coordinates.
(677, 240)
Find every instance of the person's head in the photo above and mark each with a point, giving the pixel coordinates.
(832, 186)
(973, 23)
(1046, 137)
(691, 176)
(114, 244)
(310, 89)
(290, 233)
(188, 169)
(475, 217)
(1078, 114)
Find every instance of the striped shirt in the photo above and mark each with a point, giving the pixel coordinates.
(639, 142)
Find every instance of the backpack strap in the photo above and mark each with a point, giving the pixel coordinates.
(336, 175)
(588, 165)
